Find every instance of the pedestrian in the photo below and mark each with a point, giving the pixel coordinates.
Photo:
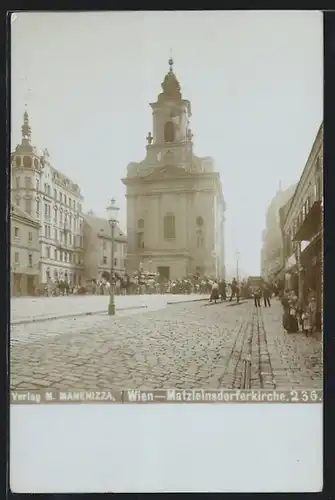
(257, 297)
(235, 291)
(266, 295)
(223, 290)
(215, 292)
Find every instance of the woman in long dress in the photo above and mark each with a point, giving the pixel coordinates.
(215, 292)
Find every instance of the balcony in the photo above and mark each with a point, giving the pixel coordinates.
(61, 245)
(311, 224)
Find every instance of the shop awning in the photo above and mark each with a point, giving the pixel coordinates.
(313, 252)
(311, 224)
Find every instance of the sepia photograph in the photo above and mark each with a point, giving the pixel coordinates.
(166, 207)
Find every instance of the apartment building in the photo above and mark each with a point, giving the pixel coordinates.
(55, 202)
(303, 229)
(98, 247)
(25, 252)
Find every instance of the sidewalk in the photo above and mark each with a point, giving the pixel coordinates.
(28, 310)
(294, 357)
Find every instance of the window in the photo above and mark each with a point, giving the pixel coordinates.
(200, 221)
(55, 194)
(17, 257)
(61, 216)
(140, 240)
(65, 199)
(55, 254)
(27, 182)
(140, 224)
(115, 262)
(45, 209)
(37, 208)
(17, 182)
(55, 234)
(65, 256)
(37, 184)
(74, 204)
(169, 132)
(104, 260)
(61, 197)
(30, 236)
(30, 260)
(70, 201)
(104, 245)
(61, 256)
(45, 187)
(16, 232)
(47, 252)
(169, 227)
(28, 206)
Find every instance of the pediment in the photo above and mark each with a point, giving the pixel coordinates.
(168, 171)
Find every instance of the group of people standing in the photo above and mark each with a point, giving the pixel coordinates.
(296, 317)
(264, 291)
(219, 291)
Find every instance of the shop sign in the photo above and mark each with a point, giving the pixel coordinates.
(291, 261)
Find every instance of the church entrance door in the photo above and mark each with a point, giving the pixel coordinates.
(164, 272)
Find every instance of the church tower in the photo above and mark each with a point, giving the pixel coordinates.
(175, 206)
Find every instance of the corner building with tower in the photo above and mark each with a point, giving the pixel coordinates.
(54, 202)
(175, 203)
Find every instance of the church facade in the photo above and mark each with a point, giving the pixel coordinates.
(175, 204)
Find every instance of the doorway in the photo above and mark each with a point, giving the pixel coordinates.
(30, 285)
(164, 272)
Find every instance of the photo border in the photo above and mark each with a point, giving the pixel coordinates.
(329, 248)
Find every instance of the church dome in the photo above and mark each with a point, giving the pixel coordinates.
(171, 87)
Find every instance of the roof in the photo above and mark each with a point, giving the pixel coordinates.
(102, 227)
(18, 212)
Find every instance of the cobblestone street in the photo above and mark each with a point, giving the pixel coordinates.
(188, 345)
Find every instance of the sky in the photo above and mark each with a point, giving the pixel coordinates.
(254, 79)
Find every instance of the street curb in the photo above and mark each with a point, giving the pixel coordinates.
(51, 318)
(186, 301)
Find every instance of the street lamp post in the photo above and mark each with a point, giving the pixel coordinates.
(237, 265)
(112, 212)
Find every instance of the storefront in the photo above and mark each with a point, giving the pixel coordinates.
(309, 235)
(292, 274)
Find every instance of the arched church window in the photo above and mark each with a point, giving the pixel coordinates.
(169, 227)
(200, 221)
(18, 161)
(169, 132)
(27, 161)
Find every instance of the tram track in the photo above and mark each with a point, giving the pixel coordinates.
(248, 363)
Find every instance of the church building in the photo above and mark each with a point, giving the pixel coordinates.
(175, 204)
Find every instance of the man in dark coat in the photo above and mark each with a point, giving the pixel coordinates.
(235, 290)
(257, 296)
(266, 295)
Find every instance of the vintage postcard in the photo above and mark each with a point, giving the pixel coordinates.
(166, 258)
